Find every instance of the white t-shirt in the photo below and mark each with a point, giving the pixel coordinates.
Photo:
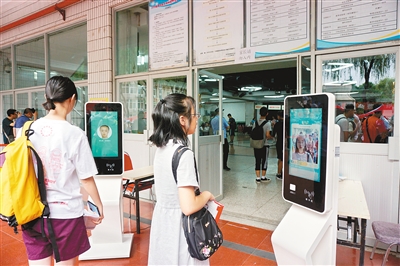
(67, 158)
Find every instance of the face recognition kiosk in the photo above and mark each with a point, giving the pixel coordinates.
(104, 132)
(307, 233)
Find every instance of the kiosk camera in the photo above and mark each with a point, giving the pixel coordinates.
(307, 233)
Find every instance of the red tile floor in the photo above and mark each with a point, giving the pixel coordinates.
(243, 245)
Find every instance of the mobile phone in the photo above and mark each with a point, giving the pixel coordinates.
(93, 207)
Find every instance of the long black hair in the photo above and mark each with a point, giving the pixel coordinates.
(166, 119)
(58, 89)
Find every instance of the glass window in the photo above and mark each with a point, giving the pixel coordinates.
(68, 53)
(30, 69)
(37, 98)
(165, 86)
(5, 71)
(132, 40)
(368, 84)
(77, 114)
(305, 75)
(22, 101)
(6, 103)
(132, 95)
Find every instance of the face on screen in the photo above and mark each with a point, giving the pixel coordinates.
(305, 127)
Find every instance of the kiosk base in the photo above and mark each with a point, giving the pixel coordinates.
(305, 238)
(108, 240)
(109, 250)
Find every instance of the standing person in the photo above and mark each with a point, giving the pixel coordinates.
(373, 127)
(29, 113)
(225, 127)
(68, 163)
(343, 120)
(174, 120)
(278, 133)
(8, 124)
(232, 128)
(261, 155)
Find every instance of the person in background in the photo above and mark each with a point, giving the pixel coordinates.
(68, 165)
(174, 119)
(232, 128)
(29, 114)
(8, 124)
(278, 134)
(343, 121)
(225, 127)
(261, 155)
(373, 127)
(205, 129)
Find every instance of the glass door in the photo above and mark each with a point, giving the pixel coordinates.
(133, 94)
(210, 141)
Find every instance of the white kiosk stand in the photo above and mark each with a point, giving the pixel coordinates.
(108, 240)
(306, 236)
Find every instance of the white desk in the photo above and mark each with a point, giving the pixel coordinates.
(138, 175)
(353, 205)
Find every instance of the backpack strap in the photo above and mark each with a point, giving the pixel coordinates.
(43, 193)
(175, 162)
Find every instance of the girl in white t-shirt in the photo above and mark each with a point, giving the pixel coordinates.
(174, 118)
(68, 163)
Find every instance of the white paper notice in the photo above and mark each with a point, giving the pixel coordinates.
(217, 30)
(168, 34)
(342, 23)
(278, 27)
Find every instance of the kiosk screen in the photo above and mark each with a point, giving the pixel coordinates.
(305, 150)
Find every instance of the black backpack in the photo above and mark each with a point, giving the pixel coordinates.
(257, 132)
(257, 136)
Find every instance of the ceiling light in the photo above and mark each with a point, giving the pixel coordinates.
(341, 93)
(274, 96)
(216, 99)
(249, 88)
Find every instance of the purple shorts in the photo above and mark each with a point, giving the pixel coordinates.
(71, 238)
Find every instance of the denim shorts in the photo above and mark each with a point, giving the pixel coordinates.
(70, 234)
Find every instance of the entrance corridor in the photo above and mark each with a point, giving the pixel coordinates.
(251, 213)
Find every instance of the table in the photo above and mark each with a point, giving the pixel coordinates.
(138, 175)
(353, 205)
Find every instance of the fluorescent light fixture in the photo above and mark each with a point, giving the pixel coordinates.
(340, 66)
(344, 93)
(249, 88)
(274, 96)
(216, 99)
(215, 93)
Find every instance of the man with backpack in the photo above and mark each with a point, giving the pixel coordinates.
(259, 136)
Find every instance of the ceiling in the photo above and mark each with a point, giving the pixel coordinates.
(271, 79)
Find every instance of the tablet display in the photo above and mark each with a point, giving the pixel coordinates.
(306, 122)
(104, 132)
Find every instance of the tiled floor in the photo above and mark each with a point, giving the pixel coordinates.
(252, 211)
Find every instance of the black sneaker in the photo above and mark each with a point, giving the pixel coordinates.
(279, 176)
(227, 168)
(258, 180)
(265, 179)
